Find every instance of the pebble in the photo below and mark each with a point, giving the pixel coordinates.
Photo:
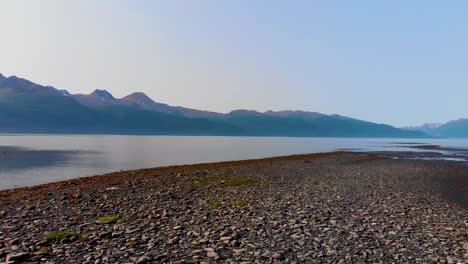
(212, 254)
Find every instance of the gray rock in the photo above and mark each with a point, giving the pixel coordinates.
(21, 256)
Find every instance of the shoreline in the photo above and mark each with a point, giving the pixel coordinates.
(106, 177)
(172, 168)
(335, 207)
(456, 194)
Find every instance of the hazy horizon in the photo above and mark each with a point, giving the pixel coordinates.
(397, 63)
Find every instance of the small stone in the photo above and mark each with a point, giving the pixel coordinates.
(173, 241)
(14, 241)
(143, 260)
(465, 246)
(450, 260)
(212, 254)
(105, 234)
(196, 252)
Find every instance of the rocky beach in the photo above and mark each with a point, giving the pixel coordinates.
(336, 207)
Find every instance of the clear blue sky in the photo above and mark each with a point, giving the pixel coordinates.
(396, 62)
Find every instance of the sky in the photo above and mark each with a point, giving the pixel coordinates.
(396, 62)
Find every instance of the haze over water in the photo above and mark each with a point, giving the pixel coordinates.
(27, 160)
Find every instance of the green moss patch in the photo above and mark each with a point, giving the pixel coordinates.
(43, 250)
(108, 219)
(59, 236)
(239, 181)
(215, 205)
(239, 203)
(227, 181)
(132, 244)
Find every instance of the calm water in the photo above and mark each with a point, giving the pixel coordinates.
(27, 160)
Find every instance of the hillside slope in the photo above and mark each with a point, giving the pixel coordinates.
(27, 107)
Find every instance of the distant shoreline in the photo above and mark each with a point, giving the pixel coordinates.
(208, 135)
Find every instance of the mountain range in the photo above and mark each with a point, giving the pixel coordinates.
(452, 129)
(27, 107)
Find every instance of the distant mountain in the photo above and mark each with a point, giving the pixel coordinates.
(426, 128)
(188, 112)
(142, 101)
(102, 98)
(26, 107)
(294, 114)
(98, 98)
(452, 129)
(309, 124)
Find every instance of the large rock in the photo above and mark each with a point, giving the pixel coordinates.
(21, 256)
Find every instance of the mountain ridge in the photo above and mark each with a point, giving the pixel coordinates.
(30, 107)
(457, 128)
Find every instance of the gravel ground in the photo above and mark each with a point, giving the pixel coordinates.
(319, 208)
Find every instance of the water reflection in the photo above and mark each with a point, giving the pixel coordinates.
(27, 160)
(17, 158)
